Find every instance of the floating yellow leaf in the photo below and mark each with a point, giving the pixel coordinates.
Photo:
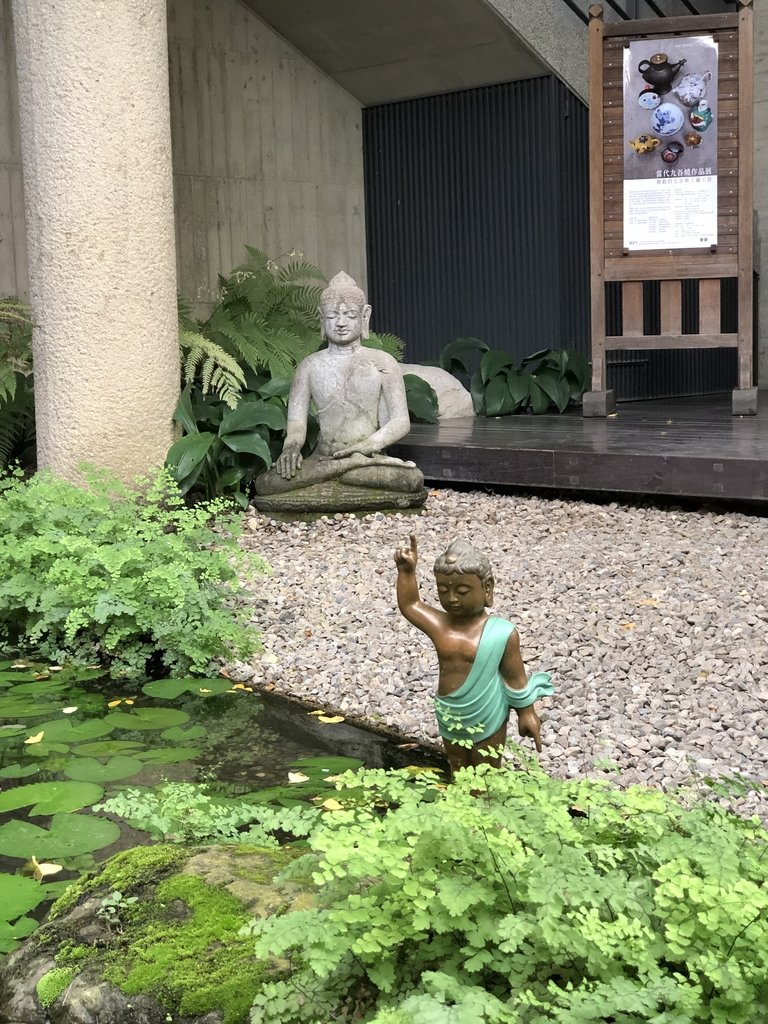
(69, 711)
(55, 668)
(332, 805)
(114, 703)
(129, 700)
(39, 676)
(297, 777)
(42, 871)
(316, 713)
(19, 664)
(36, 738)
(203, 690)
(331, 778)
(238, 686)
(407, 746)
(330, 719)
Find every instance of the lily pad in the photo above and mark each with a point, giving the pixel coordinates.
(43, 687)
(169, 689)
(64, 730)
(146, 718)
(11, 934)
(18, 771)
(7, 731)
(51, 797)
(68, 836)
(106, 748)
(183, 735)
(44, 748)
(333, 765)
(18, 895)
(88, 769)
(169, 755)
(12, 707)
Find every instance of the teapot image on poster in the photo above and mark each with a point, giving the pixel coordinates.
(670, 97)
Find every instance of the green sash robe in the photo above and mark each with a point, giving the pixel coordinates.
(481, 704)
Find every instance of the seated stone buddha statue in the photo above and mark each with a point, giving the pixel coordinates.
(360, 403)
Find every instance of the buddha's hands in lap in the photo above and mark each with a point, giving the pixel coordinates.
(289, 461)
(360, 448)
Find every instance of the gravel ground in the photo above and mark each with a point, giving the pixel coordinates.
(651, 620)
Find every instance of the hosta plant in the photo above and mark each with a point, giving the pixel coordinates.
(545, 380)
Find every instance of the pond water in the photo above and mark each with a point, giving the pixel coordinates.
(71, 738)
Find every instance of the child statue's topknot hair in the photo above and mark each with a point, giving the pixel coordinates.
(462, 557)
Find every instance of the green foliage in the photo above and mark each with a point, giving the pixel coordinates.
(127, 578)
(513, 898)
(185, 812)
(17, 401)
(53, 984)
(421, 398)
(114, 908)
(224, 449)
(550, 378)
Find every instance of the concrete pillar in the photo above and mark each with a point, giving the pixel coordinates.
(96, 148)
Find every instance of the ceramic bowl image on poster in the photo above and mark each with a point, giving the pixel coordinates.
(667, 119)
(648, 99)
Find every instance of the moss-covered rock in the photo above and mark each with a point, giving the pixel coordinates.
(174, 952)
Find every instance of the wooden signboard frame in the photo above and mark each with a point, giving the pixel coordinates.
(732, 257)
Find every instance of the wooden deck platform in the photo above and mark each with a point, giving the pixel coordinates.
(681, 447)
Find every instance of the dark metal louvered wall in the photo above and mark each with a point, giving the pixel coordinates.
(477, 225)
(477, 218)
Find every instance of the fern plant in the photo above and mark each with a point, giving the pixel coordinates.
(17, 402)
(265, 323)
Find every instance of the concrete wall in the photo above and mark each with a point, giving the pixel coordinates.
(554, 33)
(267, 150)
(13, 236)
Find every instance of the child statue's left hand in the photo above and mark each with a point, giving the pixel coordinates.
(529, 725)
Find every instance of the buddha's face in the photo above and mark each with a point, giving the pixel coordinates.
(463, 595)
(345, 321)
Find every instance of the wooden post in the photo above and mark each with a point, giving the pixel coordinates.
(745, 395)
(598, 401)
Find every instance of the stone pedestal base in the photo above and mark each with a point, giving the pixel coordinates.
(333, 496)
(598, 403)
(744, 401)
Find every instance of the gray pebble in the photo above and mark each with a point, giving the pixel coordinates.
(652, 622)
